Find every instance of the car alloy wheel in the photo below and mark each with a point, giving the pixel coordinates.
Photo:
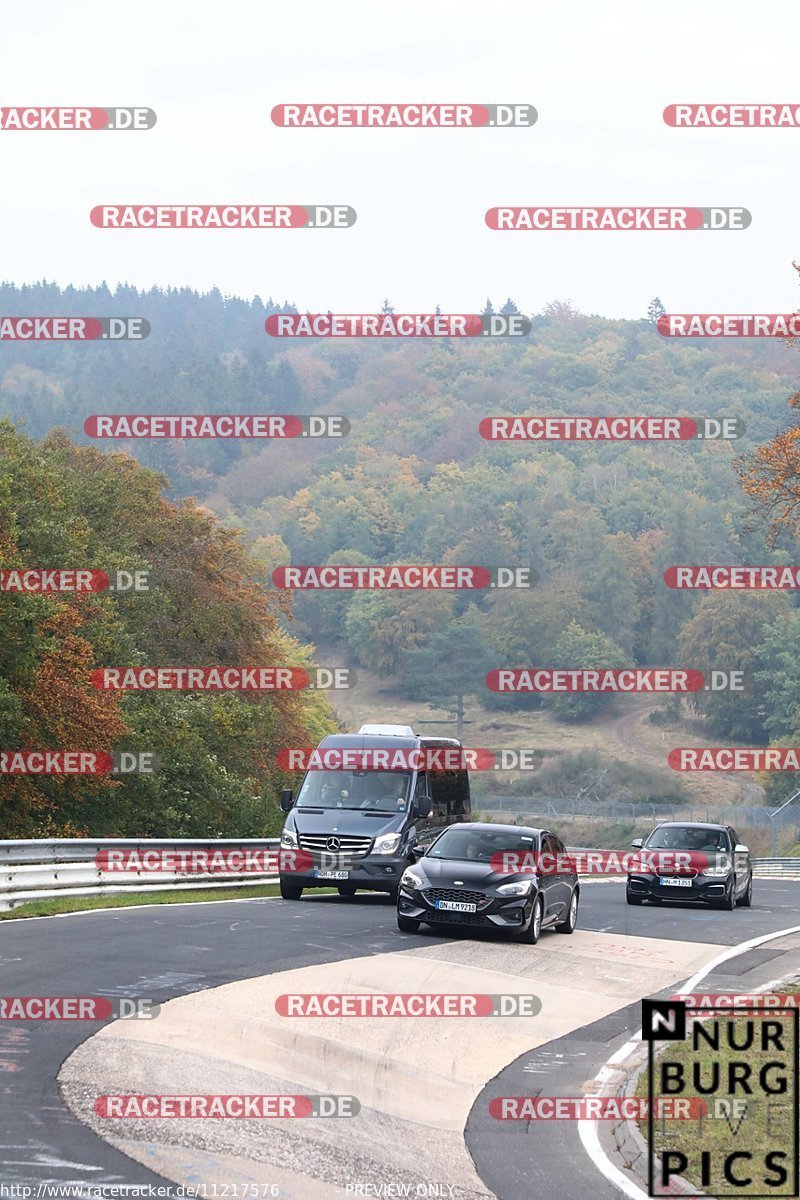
(569, 924)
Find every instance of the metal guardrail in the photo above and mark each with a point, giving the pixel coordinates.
(43, 869)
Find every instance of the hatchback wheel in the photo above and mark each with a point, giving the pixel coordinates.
(407, 924)
(632, 899)
(571, 920)
(531, 934)
(747, 898)
(728, 902)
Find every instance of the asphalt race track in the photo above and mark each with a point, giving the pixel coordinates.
(165, 952)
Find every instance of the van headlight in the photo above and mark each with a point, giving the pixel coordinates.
(515, 889)
(387, 844)
(411, 879)
(289, 839)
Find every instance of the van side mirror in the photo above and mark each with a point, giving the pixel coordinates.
(423, 806)
(637, 843)
(286, 800)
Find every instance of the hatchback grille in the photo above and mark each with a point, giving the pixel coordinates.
(434, 894)
(349, 846)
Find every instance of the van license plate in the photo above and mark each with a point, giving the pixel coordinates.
(331, 874)
(456, 906)
(676, 883)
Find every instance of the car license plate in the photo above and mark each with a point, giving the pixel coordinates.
(456, 906)
(676, 883)
(331, 874)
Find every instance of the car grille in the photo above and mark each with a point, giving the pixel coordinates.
(349, 847)
(434, 894)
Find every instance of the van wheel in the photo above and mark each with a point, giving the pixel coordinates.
(394, 895)
(571, 919)
(531, 934)
(407, 924)
(346, 889)
(291, 891)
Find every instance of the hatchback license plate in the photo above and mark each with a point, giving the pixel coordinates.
(456, 906)
(676, 883)
(331, 874)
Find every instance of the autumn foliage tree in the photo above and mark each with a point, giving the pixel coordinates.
(65, 506)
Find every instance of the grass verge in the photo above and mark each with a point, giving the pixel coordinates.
(70, 904)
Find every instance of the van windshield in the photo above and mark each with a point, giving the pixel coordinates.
(379, 791)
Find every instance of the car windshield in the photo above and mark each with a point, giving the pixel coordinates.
(684, 837)
(472, 845)
(379, 791)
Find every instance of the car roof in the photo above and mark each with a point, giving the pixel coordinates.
(493, 827)
(689, 825)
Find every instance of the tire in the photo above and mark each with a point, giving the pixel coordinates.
(394, 895)
(346, 889)
(291, 891)
(407, 924)
(632, 899)
(571, 920)
(534, 930)
(728, 903)
(747, 898)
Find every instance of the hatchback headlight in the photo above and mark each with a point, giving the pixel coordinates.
(718, 864)
(387, 844)
(411, 879)
(515, 889)
(289, 839)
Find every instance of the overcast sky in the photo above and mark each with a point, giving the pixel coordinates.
(599, 74)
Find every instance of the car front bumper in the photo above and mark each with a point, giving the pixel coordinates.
(513, 913)
(703, 889)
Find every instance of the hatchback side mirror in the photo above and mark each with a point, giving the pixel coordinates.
(286, 800)
(417, 852)
(637, 843)
(740, 848)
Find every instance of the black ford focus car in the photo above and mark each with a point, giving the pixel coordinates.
(692, 861)
(505, 877)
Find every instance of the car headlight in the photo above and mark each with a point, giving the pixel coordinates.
(719, 864)
(289, 839)
(411, 879)
(386, 844)
(515, 889)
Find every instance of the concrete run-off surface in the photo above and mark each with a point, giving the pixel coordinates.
(416, 1078)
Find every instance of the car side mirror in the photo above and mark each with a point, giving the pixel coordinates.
(417, 852)
(286, 800)
(740, 848)
(423, 806)
(637, 843)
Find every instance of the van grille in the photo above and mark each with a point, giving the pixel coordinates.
(349, 846)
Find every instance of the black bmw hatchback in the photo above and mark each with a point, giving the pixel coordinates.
(694, 862)
(505, 877)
